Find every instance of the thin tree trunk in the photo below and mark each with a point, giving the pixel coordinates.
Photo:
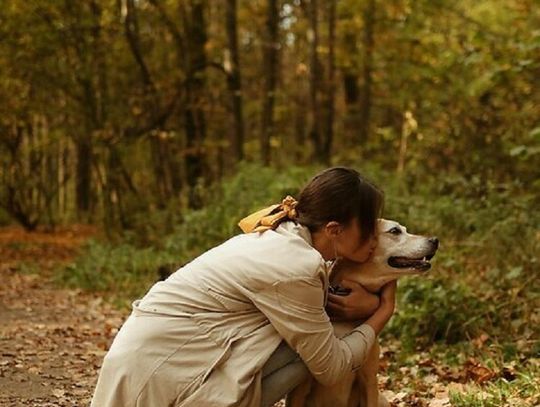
(131, 25)
(365, 109)
(270, 62)
(234, 81)
(83, 171)
(330, 88)
(315, 79)
(350, 73)
(194, 118)
(151, 102)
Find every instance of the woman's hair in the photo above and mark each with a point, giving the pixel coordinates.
(340, 194)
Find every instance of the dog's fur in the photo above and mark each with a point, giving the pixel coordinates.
(397, 254)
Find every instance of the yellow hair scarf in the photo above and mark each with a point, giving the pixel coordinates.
(270, 217)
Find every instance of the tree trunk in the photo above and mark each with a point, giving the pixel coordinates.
(315, 80)
(84, 171)
(366, 102)
(89, 50)
(234, 81)
(151, 102)
(270, 62)
(194, 118)
(330, 83)
(350, 73)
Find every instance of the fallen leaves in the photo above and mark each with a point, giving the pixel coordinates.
(477, 372)
(52, 341)
(426, 381)
(55, 360)
(58, 392)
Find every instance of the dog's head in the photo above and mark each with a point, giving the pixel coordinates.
(398, 253)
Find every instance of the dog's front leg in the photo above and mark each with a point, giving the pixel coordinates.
(337, 395)
(366, 379)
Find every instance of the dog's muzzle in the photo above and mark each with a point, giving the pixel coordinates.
(417, 263)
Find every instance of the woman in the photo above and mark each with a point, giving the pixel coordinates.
(207, 336)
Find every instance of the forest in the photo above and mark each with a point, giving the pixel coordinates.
(135, 134)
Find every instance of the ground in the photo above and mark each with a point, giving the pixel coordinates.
(52, 340)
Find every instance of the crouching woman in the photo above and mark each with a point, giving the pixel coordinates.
(209, 335)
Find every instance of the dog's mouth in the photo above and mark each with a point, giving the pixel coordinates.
(420, 264)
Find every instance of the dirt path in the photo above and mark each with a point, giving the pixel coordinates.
(52, 341)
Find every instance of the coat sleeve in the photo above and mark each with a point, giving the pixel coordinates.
(295, 308)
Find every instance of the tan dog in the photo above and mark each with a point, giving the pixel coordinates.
(398, 254)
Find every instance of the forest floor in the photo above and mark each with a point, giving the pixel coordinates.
(52, 340)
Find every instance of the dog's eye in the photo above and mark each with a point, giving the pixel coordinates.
(395, 231)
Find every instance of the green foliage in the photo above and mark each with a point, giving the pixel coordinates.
(435, 309)
(127, 269)
(121, 269)
(465, 70)
(252, 188)
(483, 275)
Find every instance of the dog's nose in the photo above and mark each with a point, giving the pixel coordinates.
(434, 241)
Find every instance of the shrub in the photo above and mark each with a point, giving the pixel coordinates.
(435, 309)
(130, 267)
(119, 269)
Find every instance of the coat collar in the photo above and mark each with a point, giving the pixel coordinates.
(303, 232)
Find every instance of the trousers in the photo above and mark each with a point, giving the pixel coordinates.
(283, 371)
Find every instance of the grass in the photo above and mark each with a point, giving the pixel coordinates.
(521, 389)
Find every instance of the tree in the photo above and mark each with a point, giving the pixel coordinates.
(234, 80)
(270, 66)
(330, 82)
(315, 82)
(194, 116)
(368, 44)
(110, 109)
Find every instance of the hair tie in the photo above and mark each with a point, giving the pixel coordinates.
(270, 217)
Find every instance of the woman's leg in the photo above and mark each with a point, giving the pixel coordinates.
(283, 371)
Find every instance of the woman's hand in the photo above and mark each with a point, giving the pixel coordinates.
(358, 304)
(386, 308)
(388, 297)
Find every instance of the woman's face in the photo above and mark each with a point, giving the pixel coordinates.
(349, 244)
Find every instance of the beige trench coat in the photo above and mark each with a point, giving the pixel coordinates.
(201, 337)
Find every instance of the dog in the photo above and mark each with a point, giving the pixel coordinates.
(397, 254)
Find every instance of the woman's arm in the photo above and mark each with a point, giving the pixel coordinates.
(361, 305)
(295, 308)
(357, 305)
(386, 309)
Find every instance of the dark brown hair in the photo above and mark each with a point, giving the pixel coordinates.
(340, 194)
